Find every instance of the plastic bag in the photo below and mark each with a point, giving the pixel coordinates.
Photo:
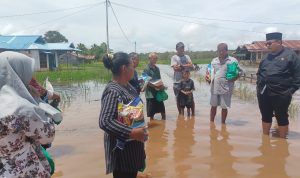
(161, 95)
(52, 112)
(144, 80)
(232, 71)
(50, 160)
(48, 85)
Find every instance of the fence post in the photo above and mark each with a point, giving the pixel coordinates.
(251, 77)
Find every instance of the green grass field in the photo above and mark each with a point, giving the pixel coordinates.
(93, 71)
(66, 73)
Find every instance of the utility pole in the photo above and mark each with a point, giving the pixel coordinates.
(135, 46)
(107, 40)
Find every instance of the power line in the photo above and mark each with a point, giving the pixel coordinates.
(188, 21)
(119, 23)
(50, 11)
(59, 18)
(210, 19)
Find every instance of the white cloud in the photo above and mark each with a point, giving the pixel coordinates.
(6, 29)
(155, 32)
(271, 29)
(190, 30)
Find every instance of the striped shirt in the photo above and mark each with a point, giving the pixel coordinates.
(132, 157)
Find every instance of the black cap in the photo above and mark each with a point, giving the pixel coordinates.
(274, 36)
(179, 45)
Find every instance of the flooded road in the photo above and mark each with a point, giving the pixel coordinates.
(181, 146)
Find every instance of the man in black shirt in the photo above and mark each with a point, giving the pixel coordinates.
(278, 78)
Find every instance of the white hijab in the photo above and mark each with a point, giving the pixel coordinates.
(16, 71)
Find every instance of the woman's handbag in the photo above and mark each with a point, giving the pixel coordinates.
(161, 95)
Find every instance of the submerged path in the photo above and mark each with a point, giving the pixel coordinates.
(181, 147)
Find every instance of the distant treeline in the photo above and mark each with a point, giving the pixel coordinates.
(198, 57)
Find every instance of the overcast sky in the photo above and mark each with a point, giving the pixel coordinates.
(155, 25)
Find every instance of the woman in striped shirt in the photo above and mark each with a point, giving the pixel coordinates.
(123, 163)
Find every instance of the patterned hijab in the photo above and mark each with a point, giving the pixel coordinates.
(16, 71)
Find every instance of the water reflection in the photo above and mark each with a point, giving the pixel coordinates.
(221, 159)
(183, 143)
(156, 146)
(173, 149)
(88, 91)
(57, 174)
(61, 150)
(273, 158)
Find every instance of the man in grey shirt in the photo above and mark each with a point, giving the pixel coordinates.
(180, 62)
(221, 88)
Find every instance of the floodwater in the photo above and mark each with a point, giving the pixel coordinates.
(181, 146)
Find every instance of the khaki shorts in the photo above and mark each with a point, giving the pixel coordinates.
(224, 100)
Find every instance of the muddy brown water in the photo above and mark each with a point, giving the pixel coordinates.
(181, 146)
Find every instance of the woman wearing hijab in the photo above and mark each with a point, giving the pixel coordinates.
(24, 126)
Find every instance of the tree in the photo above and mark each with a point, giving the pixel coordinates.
(83, 48)
(54, 37)
(96, 50)
(103, 47)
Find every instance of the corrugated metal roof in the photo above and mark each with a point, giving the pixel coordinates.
(24, 42)
(260, 45)
(61, 46)
(19, 42)
(87, 57)
(38, 46)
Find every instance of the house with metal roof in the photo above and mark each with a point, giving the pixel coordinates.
(257, 49)
(75, 58)
(44, 54)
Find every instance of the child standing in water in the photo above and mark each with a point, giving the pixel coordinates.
(186, 98)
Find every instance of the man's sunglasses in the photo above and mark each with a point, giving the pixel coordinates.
(269, 43)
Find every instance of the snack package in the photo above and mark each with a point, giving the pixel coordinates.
(131, 115)
(144, 80)
(211, 72)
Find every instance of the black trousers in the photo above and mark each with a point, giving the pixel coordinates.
(277, 105)
(121, 174)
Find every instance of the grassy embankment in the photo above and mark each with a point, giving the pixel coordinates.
(94, 71)
(69, 73)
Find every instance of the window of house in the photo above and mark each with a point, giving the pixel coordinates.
(259, 55)
(43, 60)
